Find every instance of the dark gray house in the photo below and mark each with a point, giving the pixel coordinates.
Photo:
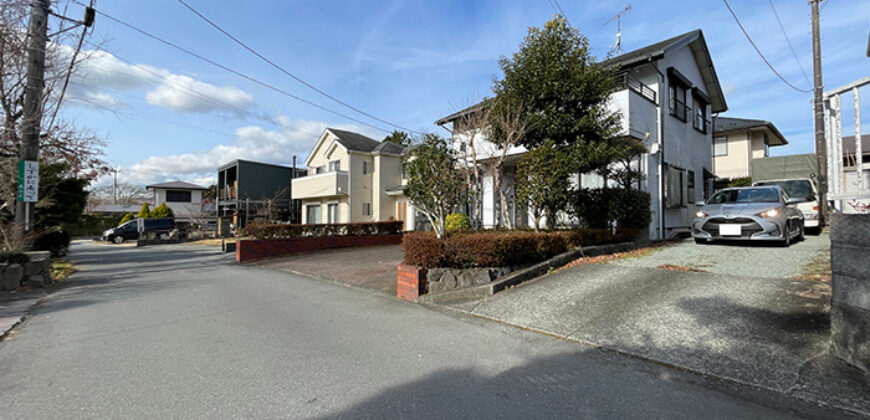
(247, 191)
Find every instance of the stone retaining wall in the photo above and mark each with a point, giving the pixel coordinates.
(850, 302)
(34, 273)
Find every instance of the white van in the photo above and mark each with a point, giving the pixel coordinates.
(803, 188)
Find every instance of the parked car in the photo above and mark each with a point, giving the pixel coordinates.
(805, 189)
(130, 230)
(749, 213)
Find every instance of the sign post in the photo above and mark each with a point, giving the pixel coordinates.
(28, 186)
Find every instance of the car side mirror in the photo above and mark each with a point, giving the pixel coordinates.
(794, 200)
(700, 203)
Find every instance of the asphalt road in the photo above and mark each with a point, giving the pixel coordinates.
(183, 332)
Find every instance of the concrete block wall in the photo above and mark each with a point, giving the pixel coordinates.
(850, 303)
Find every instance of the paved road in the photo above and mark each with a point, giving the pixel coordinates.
(182, 332)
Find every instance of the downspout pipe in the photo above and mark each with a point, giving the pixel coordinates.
(661, 143)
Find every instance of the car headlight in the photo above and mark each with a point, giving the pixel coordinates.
(700, 214)
(769, 213)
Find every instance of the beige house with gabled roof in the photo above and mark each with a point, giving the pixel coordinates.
(353, 178)
(736, 141)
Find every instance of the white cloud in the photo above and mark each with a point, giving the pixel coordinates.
(296, 137)
(101, 72)
(175, 93)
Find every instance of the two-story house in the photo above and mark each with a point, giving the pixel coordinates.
(353, 178)
(668, 92)
(249, 190)
(184, 198)
(736, 141)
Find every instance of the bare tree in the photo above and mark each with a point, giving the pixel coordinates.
(268, 209)
(124, 194)
(470, 131)
(63, 140)
(509, 124)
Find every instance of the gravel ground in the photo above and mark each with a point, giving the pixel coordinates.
(740, 258)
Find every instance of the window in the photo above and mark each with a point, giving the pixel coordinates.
(766, 146)
(312, 214)
(677, 86)
(404, 171)
(366, 168)
(690, 187)
(367, 209)
(173, 196)
(334, 166)
(720, 146)
(332, 213)
(700, 121)
(319, 170)
(674, 180)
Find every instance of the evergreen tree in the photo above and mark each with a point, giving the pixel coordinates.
(145, 212)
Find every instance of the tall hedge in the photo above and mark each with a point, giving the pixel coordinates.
(597, 207)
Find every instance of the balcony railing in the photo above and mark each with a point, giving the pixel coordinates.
(320, 185)
(229, 192)
(626, 81)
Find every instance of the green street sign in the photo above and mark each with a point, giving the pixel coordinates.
(28, 181)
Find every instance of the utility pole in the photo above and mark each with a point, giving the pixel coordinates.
(30, 127)
(115, 186)
(819, 113)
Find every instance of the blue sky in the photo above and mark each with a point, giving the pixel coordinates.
(408, 62)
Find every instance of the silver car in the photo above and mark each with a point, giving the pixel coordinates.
(749, 213)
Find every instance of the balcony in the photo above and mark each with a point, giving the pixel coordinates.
(328, 184)
(626, 81)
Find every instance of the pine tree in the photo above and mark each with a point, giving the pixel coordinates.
(162, 211)
(145, 212)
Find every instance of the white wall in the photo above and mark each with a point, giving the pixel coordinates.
(181, 210)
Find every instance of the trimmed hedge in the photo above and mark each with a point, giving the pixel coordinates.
(276, 231)
(630, 208)
(501, 249)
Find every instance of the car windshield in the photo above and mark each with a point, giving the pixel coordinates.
(746, 195)
(795, 187)
(127, 224)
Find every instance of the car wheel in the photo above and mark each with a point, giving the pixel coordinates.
(118, 239)
(786, 237)
(164, 236)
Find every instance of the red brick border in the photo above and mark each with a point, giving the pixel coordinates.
(253, 249)
(411, 282)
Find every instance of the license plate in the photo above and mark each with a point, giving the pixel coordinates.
(729, 230)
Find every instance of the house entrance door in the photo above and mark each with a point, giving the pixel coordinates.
(402, 211)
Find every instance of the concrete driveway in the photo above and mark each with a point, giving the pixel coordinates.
(370, 267)
(746, 319)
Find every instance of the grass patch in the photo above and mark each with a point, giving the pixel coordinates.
(61, 269)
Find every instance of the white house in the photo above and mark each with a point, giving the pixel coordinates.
(184, 198)
(668, 92)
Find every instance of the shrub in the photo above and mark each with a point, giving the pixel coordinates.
(13, 258)
(500, 249)
(281, 231)
(55, 241)
(127, 217)
(162, 211)
(457, 222)
(144, 212)
(597, 207)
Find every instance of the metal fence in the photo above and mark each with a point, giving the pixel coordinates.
(847, 183)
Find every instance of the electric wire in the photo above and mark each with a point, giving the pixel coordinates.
(288, 73)
(787, 40)
(236, 72)
(759, 51)
(69, 72)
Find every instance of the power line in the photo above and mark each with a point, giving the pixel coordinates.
(69, 70)
(793, 53)
(236, 72)
(288, 73)
(759, 51)
(558, 9)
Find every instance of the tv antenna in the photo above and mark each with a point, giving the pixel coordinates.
(617, 46)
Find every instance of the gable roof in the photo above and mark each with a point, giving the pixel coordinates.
(354, 141)
(389, 147)
(175, 185)
(694, 39)
(726, 124)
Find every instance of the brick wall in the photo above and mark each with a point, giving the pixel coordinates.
(253, 249)
(411, 282)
